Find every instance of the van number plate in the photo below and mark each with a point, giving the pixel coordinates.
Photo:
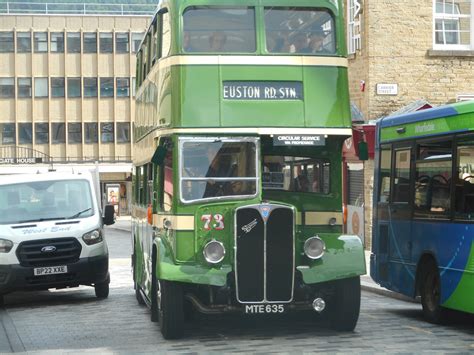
(50, 270)
(264, 308)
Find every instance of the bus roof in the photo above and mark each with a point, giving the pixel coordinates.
(431, 122)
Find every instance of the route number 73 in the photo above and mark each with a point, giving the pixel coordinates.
(217, 221)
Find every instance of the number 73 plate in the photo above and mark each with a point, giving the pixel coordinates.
(264, 308)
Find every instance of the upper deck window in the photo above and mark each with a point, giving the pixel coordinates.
(299, 30)
(217, 168)
(212, 29)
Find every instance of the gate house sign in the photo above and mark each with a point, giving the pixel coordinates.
(21, 160)
(258, 90)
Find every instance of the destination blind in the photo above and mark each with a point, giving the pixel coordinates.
(258, 90)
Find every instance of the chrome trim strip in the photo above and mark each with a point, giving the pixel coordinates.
(253, 130)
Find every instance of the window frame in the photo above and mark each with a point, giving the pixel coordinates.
(10, 128)
(25, 127)
(89, 42)
(72, 132)
(57, 35)
(20, 49)
(37, 42)
(88, 81)
(91, 133)
(9, 91)
(107, 91)
(71, 39)
(103, 126)
(36, 81)
(120, 43)
(71, 80)
(39, 129)
(58, 132)
(7, 42)
(104, 40)
(57, 87)
(452, 17)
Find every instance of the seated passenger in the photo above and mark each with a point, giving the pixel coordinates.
(300, 43)
(217, 41)
(316, 43)
(302, 184)
(187, 46)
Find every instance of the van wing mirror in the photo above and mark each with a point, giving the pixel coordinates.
(109, 215)
(363, 151)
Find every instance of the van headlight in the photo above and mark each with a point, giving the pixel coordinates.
(5, 245)
(92, 237)
(314, 247)
(214, 252)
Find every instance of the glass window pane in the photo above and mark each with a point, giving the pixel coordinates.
(23, 42)
(122, 43)
(57, 87)
(74, 133)
(8, 134)
(25, 133)
(134, 84)
(165, 36)
(106, 87)
(41, 133)
(401, 181)
(106, 42)
(385, 172)
(464, 181)
(90, 87)
(73, 87)
(91, 132)
(41, 42)
(136, 40)
(216, 29)
(7, 87)
(41, 87)
(6, 42)
(90, 42)
(123, 132)
(57, 42)
(299, 30)
(73, 42)
(24, 87)
(123, 87)
(58, 133)
(106, 132)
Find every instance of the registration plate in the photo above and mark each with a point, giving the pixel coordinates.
(50, 270)
(264, 308)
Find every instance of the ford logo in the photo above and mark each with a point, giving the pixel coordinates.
(48, 249)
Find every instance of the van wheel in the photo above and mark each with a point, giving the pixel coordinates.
(431, 294)
(102, 289)
(346, 307)
(171, 309)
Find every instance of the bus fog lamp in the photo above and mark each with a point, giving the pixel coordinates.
(5, 245)
(214, 252)
(314, 248)
(319, 305)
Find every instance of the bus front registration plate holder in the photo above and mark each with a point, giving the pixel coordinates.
(264, 308)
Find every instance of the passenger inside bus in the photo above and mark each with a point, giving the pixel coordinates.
(217, 41)
(316, 42)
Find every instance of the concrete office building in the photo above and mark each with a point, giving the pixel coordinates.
(66, 94)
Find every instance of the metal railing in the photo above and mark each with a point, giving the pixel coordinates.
(51, 8)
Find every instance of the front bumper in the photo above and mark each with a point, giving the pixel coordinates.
(86, 271)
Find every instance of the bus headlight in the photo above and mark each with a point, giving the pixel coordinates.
(92, 237)
(5, 245)
(214, 252)
(314, 248)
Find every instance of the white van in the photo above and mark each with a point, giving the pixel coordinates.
(51, 233)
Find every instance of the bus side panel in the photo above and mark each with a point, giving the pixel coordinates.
(451, 245)
(344, 257)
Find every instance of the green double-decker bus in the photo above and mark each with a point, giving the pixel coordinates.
(242, 108)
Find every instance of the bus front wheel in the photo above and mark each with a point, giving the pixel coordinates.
(346, 305)
(171, 309)
(431, 293)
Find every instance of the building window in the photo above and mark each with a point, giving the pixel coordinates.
(41, 87)
(136, 40)
(91, 133)
(354, 15)
(453, 23)
(57, 42)
(58, 133)
(123, 132)
(74, 42)
(90, 87)
(106, 42)
(122, 43)
(25, 133)
(41, 42)
(123, 87)
(57, 87)
(90, 42)
(73, 87)
(7, 88)
(23, 42)
(106, 132)
(6, 42)
(41, 133)
(24, 87)
(134, 85)
(7, 130)
(74, 133)
(106, 87)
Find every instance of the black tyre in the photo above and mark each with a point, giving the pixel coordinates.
(102, 289)
(431, 293)
(171, 309)
(346, 304)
